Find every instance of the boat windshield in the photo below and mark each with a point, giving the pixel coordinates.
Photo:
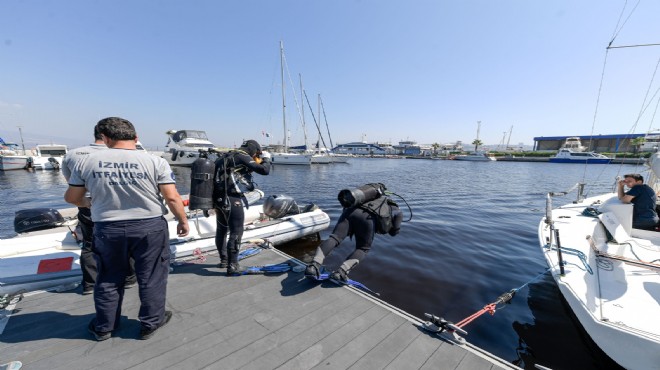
(190, 134)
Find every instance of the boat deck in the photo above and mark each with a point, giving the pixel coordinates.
(250, 322)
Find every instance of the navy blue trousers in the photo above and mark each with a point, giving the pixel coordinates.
(115, 243)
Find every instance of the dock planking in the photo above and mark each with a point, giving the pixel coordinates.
(275, 321)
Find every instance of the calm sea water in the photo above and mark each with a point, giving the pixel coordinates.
(473, 236)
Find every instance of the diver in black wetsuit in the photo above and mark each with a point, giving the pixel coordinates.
(229, 199)
(356, 220)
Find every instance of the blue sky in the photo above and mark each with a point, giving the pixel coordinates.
(386, 70)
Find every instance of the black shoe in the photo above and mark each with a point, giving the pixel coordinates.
(340, 275)
(234, 269)
(88, 290)
(222, 264)
(148, 333)
(99, 336)
(313, 270)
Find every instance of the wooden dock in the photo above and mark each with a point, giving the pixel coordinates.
(277, 321)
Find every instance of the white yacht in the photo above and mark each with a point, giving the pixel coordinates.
(183, 146)
(48, 157)
(478, 156)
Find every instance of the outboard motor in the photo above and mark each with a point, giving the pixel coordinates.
(201, 184)
(365, 193)
(54, 163)
(37, 219)
(276, 206)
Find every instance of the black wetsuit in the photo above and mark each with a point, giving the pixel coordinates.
(361, 224)
(231, 220)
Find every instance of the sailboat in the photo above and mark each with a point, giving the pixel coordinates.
(608, 272)
(286, 157)
(477, 155)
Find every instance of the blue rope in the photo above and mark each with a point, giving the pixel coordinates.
(574, 252)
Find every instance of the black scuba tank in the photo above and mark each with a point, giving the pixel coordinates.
(201, 184)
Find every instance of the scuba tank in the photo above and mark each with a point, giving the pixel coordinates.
(365, 193)
(201, 184)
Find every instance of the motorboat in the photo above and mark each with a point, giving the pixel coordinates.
(608, 272)
(571, 156)
(46, 254)
(183, 146)
(479, 156)
(574, 143)
(47, 157)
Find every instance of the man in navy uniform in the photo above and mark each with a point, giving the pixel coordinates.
(129, 190)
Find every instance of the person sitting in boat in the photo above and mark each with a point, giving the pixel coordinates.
(367, 211)
(643, 199)
(232, 178)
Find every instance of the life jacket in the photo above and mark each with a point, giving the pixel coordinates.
(381, 210)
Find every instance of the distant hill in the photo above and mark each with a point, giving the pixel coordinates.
(32, 138)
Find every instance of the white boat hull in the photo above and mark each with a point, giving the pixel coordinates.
(13, 162)
(321, 159)
(618, 303)
(184, 158)
(50, 258)
(45, 163)
(291, 158)
(475, 157)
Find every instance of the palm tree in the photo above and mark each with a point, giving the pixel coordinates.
(637, 143)
(476, 144)
(435, 147)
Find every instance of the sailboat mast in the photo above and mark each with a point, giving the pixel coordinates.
(509, 139)
(302, 110)
(20, 133)
(318, 109)
(286, 149)
(478, 128)
(326, 123)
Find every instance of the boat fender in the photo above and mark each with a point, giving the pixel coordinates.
(174, 154)
(201, 184)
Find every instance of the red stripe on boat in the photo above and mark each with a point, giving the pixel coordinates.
(55, 265)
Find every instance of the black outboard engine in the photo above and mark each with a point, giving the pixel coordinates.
(37, 219)
(365, 193)
(54, 163)
(276, 206)
(201, 184)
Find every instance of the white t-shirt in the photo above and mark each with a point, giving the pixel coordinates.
(72, 157)
(123, 184)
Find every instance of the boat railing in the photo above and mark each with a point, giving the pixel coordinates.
(554, 233)
(548, 199)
